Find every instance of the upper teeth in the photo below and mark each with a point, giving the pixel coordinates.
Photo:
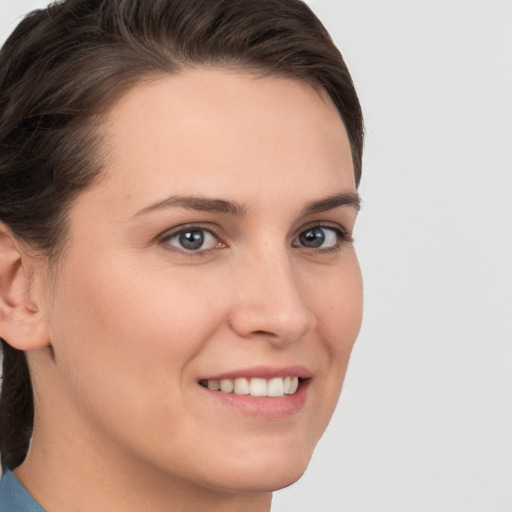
(278, 386)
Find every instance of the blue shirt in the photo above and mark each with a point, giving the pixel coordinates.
(14, 497)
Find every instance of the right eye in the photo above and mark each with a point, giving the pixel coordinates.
(193, 239)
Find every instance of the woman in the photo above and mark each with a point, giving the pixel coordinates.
(179, 289)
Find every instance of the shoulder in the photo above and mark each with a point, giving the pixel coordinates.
(14, 497)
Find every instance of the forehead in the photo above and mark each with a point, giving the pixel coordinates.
(203, 130)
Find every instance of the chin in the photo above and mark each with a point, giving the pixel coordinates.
(267, 475)
(262, 482)
(285, 480)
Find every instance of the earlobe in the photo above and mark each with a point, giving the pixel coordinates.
(22, 322)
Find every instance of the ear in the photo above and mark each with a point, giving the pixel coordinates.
(22, 322)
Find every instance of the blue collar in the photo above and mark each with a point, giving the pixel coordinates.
(14, 497)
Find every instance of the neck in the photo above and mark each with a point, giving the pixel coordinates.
(57, 481)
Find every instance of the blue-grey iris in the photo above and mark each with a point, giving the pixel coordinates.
(313, 237)
(191, 240)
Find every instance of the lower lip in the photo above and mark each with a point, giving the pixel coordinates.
(264, 407)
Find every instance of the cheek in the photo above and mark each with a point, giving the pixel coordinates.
(121, 328)
(124, 347)
(338, 305)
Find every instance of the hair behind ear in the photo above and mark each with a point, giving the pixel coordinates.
(16, 407)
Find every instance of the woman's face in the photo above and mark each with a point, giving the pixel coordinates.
(216, 252)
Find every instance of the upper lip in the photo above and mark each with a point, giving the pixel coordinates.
(264, 372)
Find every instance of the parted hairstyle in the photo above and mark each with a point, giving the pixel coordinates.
(64, 66)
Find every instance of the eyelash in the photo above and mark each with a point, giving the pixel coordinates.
(342, 236)
(169, 235)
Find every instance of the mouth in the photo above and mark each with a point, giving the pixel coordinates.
(256, 386)
(264, 392)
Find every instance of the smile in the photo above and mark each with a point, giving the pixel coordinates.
(275, 387)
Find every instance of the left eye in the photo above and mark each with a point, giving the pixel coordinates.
(193, 240)
(319, 237)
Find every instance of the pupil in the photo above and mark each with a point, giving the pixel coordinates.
(313, 237)
(192, 239)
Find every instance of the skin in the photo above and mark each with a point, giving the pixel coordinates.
(133, 321)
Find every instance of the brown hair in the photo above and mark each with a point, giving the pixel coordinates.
(65, 65)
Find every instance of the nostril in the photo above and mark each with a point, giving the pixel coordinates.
(264, 333)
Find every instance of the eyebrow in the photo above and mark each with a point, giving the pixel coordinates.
(330, 203)
(202, 204)
(205, 204)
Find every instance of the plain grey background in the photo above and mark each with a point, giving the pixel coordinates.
(425, 419)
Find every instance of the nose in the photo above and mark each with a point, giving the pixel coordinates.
(270, 302)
